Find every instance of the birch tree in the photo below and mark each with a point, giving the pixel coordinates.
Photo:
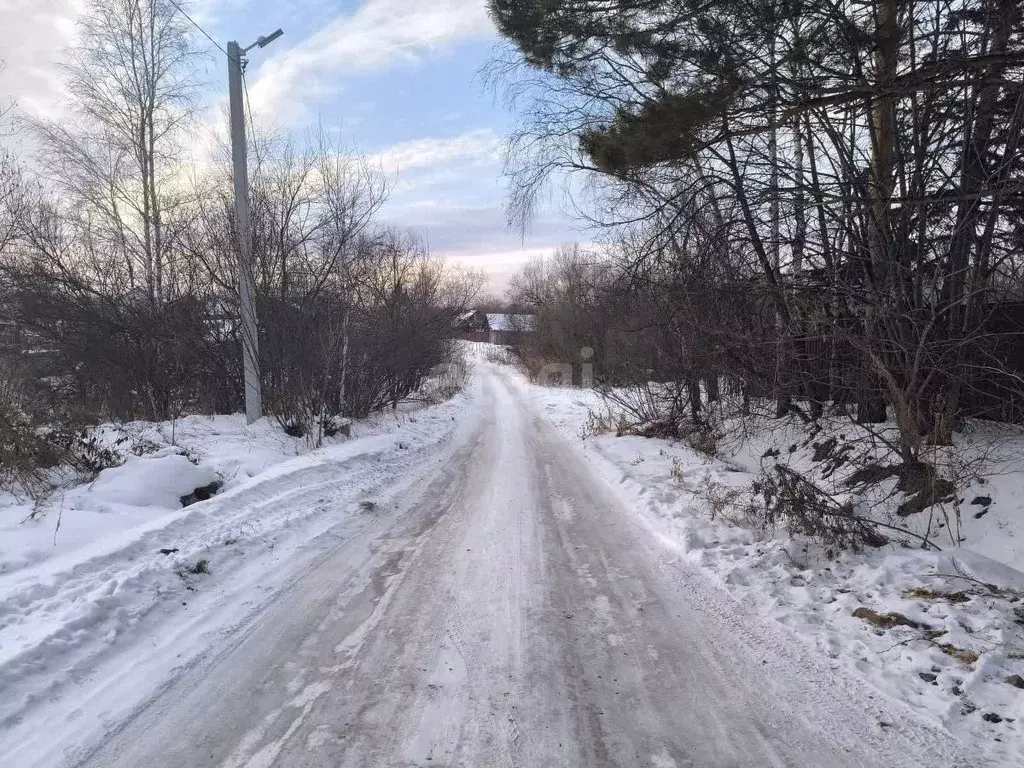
(131, 82)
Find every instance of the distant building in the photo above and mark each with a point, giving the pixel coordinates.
(472, 326)
(507, 330)
(493, 328)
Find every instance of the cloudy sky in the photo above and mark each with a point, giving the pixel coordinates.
(398, 79)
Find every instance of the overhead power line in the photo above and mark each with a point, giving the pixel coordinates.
(196, 25)
(245, 84)
(248, 101)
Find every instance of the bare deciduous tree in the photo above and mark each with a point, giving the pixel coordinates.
(882, 232)
(132, 83)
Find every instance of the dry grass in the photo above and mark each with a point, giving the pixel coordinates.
(963, 655)
(885, 620)
(604, 424)
(924, 593)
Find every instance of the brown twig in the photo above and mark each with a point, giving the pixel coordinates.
(60, 516)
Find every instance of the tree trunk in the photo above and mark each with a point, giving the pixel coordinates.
(881, 184)
(871, 410)
(882, 181)
(693, 389)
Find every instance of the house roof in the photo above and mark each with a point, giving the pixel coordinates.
(510, 322)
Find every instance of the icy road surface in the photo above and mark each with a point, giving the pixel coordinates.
(506, 610)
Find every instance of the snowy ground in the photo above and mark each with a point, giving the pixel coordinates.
(468, 584)
(500, 607)
(109, 572)
(953, 666)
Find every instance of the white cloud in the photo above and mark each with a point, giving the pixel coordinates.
(472, 231)
(35, 35)
(498, 266)
(380, 33)
(209, 12)
(500, 260)
(471, 147)
(450, 190)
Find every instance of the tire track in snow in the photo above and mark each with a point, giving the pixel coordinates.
(570, 635)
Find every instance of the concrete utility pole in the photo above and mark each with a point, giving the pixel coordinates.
(243, 220)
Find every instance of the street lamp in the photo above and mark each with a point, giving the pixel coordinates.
(243, 220)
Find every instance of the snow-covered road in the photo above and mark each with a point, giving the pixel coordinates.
(501, 608)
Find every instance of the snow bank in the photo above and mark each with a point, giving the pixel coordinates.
(149, 481)
(956, 664)
(163, 462)
(105, 573)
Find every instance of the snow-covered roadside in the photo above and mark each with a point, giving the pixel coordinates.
(931, 665)
(135, 587)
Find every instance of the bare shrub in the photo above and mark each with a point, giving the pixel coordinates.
(538, 370)
(702, 438)
(445, 380)
(500, 355)
(677, 471)
(654, 409)
(789, 500)
(122, 356)
(602, 424)
(24, 454)
(662, 410)
(35, 458)
(725, 502)
(367, 342)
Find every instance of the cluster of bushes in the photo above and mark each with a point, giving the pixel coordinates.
(800, 221)
(77, 353)
(38, 456)
(120, 260)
